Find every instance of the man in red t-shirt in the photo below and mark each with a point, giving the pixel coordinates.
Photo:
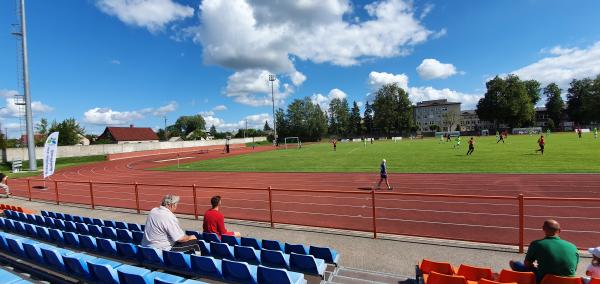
(214, 221)
(541, 143)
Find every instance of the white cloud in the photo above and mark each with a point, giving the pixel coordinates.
(433, 69)
(417, 94)
(255, 121)
(12, 110)
(107, 116)
(252, 87)
(297, 78)
(378, 79)
(153, 15)
(207, 113)
(324, 101)
(162, 110)
(564, 66)
(115, 62)
(219, 108)
(262, 34)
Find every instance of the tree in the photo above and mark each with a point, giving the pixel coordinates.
(508, 101)
(339, 117)
(197, 134)
(161, 135)
(267, 128)
(554, 103)
(188, 124)
(580, 92)
(368, 118)
(434, 127)
(42, 127)
(533, 90)
(450, 118)
(213, 130)
(355, 120)
(393, 110)
(68, 131)
(281, 123)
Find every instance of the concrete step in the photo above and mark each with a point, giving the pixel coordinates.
(357, 276)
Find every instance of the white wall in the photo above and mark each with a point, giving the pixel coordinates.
(11, 154)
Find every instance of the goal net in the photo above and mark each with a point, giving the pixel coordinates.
(292, 142)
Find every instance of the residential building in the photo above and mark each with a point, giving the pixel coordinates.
(131, 134)
(442, 113)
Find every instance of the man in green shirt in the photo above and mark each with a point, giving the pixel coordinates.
(553, 255)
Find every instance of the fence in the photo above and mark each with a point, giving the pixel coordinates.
(510, 220)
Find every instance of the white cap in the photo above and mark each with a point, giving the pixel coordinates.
(383, 160)
(595, 251)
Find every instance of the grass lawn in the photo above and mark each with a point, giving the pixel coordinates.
(565, 153)
(60, 163)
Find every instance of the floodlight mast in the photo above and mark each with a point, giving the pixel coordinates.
(28, 114)
(272, 80)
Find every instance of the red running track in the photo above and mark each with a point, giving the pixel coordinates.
(493, 220)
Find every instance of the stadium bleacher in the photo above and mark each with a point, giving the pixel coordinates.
(8, 277)
(219, 260)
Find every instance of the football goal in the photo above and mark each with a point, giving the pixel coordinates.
(292, 142)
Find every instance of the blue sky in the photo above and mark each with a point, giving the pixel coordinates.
(121, 62)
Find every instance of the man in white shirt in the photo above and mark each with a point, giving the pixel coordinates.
(163, 231)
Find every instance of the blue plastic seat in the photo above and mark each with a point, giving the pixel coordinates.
(107, 246)
(88, 221)
(124, 236)
(328, 254)
(268, 275)
(30, 230)
(82, 229)
(230, 240)
(307, 264)
(127, 251)
(3, 244)
(104, 270)
(34, 251)
(20, 227)
(9, 225)
(211, 237)
(77, 264)
(239, 272)
(15, 245)
(204, 248)
(98, 222)
(53, 257)
(177, 261)
(172, 279)
(152, 256)
(67, 217)
(134, 275)
(110, 223)
(207, 266)
(109, 233)
(247, 254)
(43, 233)
(21, 217)
(77, 219)
(44, 213)
(52, 214)
(134, 227)
(88, 243)
(8, 277)
(296, 248)
(274, 258)
(96, 231)
(70, 226)
(120, 225)
(198, 235)
(39, 220)
(192, 281)
(49, 222)
(137, 237)
(221, 250)
(2, 226)
(71, 239)
(57, 236)
(272, 245)
(30, 218)
(251, 242)
(59, 224)
(59, 215)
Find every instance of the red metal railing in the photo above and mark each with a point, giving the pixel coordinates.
(490, 218)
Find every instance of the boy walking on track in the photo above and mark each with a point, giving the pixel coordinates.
(541, 143)
(383, 175)
(471, 146)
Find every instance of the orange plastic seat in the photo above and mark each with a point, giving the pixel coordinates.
(2, 207)
(487, 281)
(595, 281)
(427, 266)
(515, 276)
(553, 279)
(438, 278)
(473, 273)
(19, 209)
(12, 208)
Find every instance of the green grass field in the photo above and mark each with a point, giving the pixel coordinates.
(60, 163)
(565, 153)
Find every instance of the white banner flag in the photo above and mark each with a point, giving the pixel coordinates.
(50, 149)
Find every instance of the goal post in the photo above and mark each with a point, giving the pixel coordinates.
(292, 141)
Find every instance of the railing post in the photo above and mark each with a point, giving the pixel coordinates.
(29, 188)
(56, 191)
(374, 217)
(137, 198)
(271, 209)
(195, 202)
(92, 195)
(521, 223)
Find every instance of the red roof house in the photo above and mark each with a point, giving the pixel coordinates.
(129, 134)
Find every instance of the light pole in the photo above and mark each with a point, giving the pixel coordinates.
(272, 80)
(166, 133)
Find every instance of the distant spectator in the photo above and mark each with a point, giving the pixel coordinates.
(553, 255)
(214, 221)
(593, 270)
(3, 184)
(163, 231)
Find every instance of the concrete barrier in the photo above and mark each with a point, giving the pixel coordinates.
(11, 154)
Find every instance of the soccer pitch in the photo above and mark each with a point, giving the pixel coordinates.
(564, 153)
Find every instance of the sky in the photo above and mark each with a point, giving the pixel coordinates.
(122, 62)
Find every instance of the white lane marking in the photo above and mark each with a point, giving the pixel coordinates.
(175, 159)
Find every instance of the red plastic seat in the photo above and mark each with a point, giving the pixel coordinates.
(553, 279)
(438, 278)
(515, 276)
(473, 273)
(595, 281)
(427, 266)
(487, 281)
